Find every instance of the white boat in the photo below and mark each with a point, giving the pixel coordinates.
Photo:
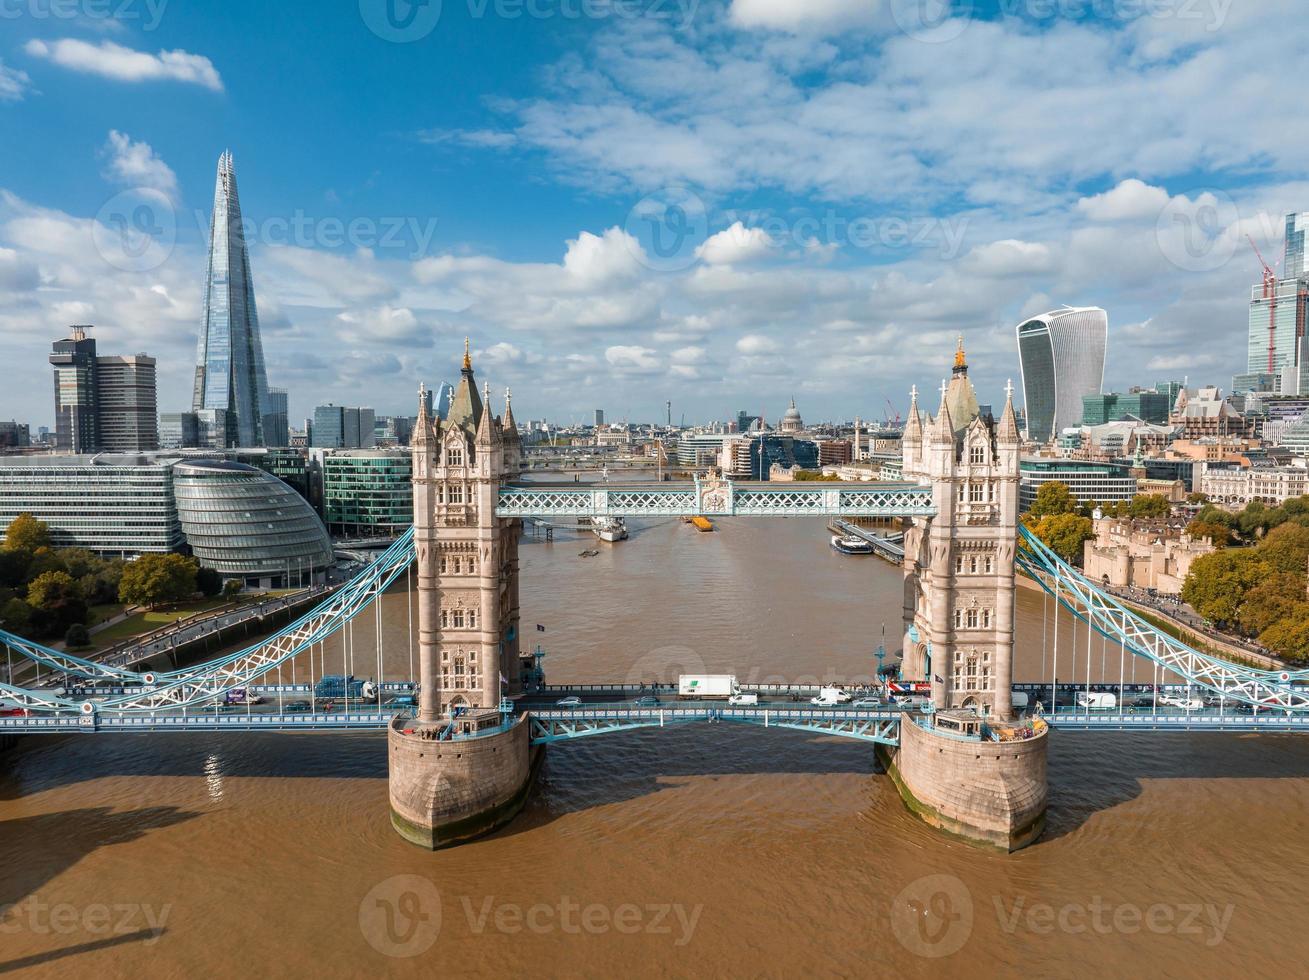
(609, 528)
(851, 545)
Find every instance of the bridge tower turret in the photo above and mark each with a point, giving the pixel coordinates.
(462, 767)
(959, 621)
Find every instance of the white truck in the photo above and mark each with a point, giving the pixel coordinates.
(830, 697)
(706, 687)
(1096, 699)
(741, 699)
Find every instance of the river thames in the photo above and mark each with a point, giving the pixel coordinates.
(700, 850)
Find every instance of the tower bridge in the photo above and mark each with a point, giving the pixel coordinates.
(463, 753)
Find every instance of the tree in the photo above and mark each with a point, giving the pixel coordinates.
(76, 637)
(26, 533)
(1219, 534)
(232, 587)
(155, 579)
(1286, 549)
(1149, 505)
(56, 603)
(1274, 599)
(15, 615)
(1053, 498)
(1064, 534)
(1289, 637)
(209, 582)
(1196, 497)
(1217, 582)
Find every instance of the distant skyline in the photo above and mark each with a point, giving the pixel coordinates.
(720, 203)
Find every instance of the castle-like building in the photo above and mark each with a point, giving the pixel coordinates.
(959, 565)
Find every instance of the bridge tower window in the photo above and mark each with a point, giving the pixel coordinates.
(454, 456)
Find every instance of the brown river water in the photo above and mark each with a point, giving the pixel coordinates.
(705, 850)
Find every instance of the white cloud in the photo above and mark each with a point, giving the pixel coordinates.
(596, 259)
(136, 165)
(628, 359)
(801, 15)
(753, 343)
(14, 83)
(123, 64)
(1129, 199)
(736, 245)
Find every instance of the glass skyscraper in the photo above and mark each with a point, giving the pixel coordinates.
(229, 372)
(1061, 358)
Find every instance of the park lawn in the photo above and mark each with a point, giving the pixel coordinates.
(144, 622)
(98, 614)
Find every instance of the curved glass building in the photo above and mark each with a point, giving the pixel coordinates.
(1061, 358)
(243, 522)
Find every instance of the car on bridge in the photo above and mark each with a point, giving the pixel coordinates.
(572, 701)
(298, 706)
(649, 701)
(870, 702)
(8, 712)
(403, 701)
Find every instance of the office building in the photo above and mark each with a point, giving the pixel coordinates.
(245, 523)
(1089, 483)
(599, 417)
(14, 435)
(1294, 260)
(699, 449)
(229, 373)
(179, 430)
(278, 430)
(1061, 358)
(125, 404)
(1277, 344)
(1236, 486)
(1148, 406)
(73, 359)
(115, 506)
(216, 428)
(368, 492)
(340, 427)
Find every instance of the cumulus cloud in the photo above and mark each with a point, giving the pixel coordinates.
(1129, 199)
(123, 64)
(596, 259)
(790, 15)
(753, 343)
(136, 165)
(629, 359)
(735, 245)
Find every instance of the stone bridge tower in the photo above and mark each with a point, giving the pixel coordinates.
(959, 565)
(462, 768)
(959, 627)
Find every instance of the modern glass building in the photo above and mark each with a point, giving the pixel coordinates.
(1294, 265)
(1089, 483)
(229, 373)
(125, 398)
(243, 522)
(1148, 406)
(76, 418)
(277, 431)
(1277, 344)
(339, 427)
(1061, 358)
(116, 506)
(368, 492)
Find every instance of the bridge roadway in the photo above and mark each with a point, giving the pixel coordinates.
(612, 708)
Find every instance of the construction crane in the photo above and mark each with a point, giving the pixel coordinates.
(1270, 294)
(889, 409)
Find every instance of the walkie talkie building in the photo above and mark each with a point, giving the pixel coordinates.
(1061, 357)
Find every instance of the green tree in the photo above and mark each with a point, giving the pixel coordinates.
(26, 533)
(1053, 498)
(76, 637)
(1217, 582)
(1219, 534)
(1064, 534)
(209, 582)
(15, 615)
(155, 579)
(232, 587)
(1149, 505)
(1196, 497)
(56, 603)
(1274, 599)
(79, 562)
(1289, 637)
(1286, 549)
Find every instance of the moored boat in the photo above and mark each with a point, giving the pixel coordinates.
(851, 545)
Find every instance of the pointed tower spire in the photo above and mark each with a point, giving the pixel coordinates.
(486, 426)
(1008, 431)
(944, 428)
(468, 358)
(509, 426)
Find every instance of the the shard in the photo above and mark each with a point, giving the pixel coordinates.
(229, 371)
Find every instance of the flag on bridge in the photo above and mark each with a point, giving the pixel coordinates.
(937, 678)
(540, 628)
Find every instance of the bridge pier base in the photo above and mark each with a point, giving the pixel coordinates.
(446, 793)
(991, 793)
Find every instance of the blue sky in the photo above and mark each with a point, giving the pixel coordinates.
(717, 202)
